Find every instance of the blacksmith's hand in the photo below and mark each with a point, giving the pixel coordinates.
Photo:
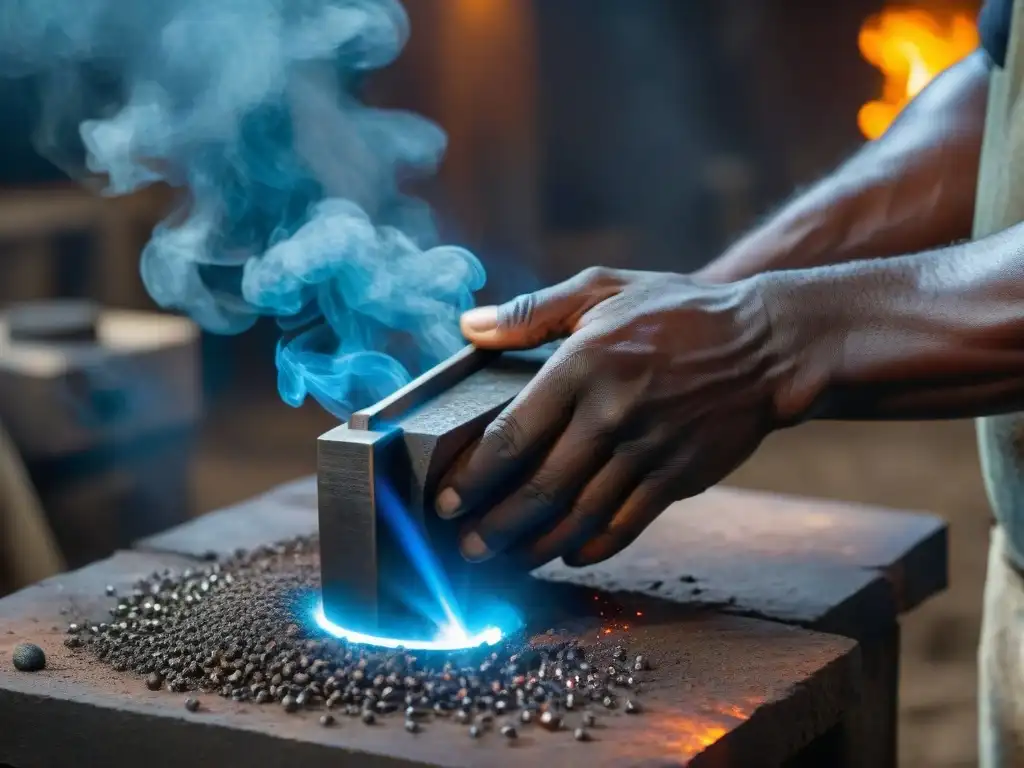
(661, 388)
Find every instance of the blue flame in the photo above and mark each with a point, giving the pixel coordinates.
(291, 202)
(439, 606)
(422, 557)
(449, 638)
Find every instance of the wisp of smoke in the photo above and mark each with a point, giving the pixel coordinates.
(293, 208)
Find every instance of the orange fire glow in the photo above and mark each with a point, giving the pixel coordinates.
(692, 734)
(910, 46)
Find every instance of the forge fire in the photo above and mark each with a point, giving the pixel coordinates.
(910, 45)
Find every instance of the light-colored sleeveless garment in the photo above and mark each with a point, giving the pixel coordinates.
(1000, 204)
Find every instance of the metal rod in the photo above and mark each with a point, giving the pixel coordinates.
(438, 379)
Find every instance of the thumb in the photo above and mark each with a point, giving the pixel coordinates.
(533, 319)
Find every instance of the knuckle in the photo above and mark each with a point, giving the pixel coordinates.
(604, 427)
(605, 414)
(635, 449)
(540, 493)
(601, 283)
(597, 276)
(571, 367)
(520, 311)
(608, 418)
(648, 439)
(504, 436)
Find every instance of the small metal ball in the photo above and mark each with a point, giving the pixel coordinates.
(550, 721)
(29, 658)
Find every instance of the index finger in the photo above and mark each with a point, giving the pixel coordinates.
(519, 436)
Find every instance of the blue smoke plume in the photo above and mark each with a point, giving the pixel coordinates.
(292, 207)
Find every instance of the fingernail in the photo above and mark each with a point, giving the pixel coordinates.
(480, 320)
(448, 503)
(473, 548)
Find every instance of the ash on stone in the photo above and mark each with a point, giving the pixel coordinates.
(241, 629)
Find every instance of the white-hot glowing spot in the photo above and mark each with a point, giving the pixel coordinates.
(451, 637)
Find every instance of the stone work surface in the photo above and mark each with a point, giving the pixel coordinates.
(713, 675)
(726, 689)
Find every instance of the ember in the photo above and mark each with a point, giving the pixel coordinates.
(910, 46)
(693, 735)
(231, 629)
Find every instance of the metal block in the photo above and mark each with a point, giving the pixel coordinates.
(377, 476)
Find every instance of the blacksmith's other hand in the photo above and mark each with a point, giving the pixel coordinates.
(661, 387)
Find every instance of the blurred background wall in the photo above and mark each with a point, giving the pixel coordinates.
(640, 133)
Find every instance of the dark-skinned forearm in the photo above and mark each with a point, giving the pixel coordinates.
(910, 190)
(931, 336)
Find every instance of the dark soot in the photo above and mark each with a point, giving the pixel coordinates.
(241, 629)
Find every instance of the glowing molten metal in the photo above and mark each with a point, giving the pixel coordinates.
(910, 46)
